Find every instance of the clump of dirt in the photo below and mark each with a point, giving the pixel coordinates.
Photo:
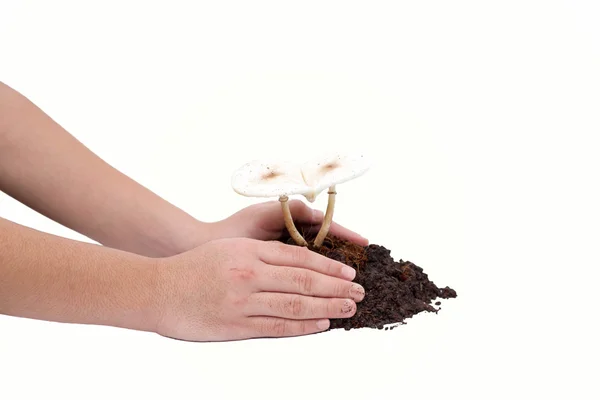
(394, 290)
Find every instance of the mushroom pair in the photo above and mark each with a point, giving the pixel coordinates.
(283, 179)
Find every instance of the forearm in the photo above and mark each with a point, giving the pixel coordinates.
(46, 168)
(51, 278)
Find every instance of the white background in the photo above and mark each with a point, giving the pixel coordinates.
(483, 118)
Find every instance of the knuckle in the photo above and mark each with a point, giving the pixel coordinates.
(279, 246)
(304, 327)
(243, 273)
(304, 281)
(332, 269)
(341, 289)
(336, 268)
(279, 327)
(299, 254)
(246, 244)
(270, 302)
(280, 250)
(294, 306)
(239, 301)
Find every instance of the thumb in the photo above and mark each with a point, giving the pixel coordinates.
(303, 214)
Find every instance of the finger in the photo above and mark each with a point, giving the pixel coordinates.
(293, 306)
(306, 282)
(343, 233)
(277, 253)
(303, 214)
(281, 327)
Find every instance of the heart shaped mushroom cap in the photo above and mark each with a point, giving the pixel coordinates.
(276, 178)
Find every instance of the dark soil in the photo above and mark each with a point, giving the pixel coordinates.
(394, 290)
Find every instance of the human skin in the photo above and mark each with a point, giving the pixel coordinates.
(226, 289)
(49, 170)
(157, 269)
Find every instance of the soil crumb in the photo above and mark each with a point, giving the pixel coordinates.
(394, 290)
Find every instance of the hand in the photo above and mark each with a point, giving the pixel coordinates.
(264, 221)
(241, 288)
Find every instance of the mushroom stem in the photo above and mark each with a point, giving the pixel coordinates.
(289, 222)
(328, 218)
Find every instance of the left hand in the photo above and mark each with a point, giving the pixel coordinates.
(264, 221)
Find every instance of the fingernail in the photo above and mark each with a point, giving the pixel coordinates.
(348, 272)
(348, 307)
(357, 292)
(323, 324)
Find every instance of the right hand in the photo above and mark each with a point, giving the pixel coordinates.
(240, 288)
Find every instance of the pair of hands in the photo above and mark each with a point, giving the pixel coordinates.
(244, 284)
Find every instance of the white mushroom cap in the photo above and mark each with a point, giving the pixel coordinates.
(268, 179)
(271, 179)
(328, 171)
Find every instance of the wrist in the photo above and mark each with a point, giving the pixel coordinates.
(141, 295)
(198, 234)
(171, 284)
(185, 236)
(155, 277)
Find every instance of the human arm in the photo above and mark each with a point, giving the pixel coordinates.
(49, 170)
(47, 277)
(223, 290)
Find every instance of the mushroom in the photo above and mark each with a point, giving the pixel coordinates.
(327, 173)
(270, 179)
